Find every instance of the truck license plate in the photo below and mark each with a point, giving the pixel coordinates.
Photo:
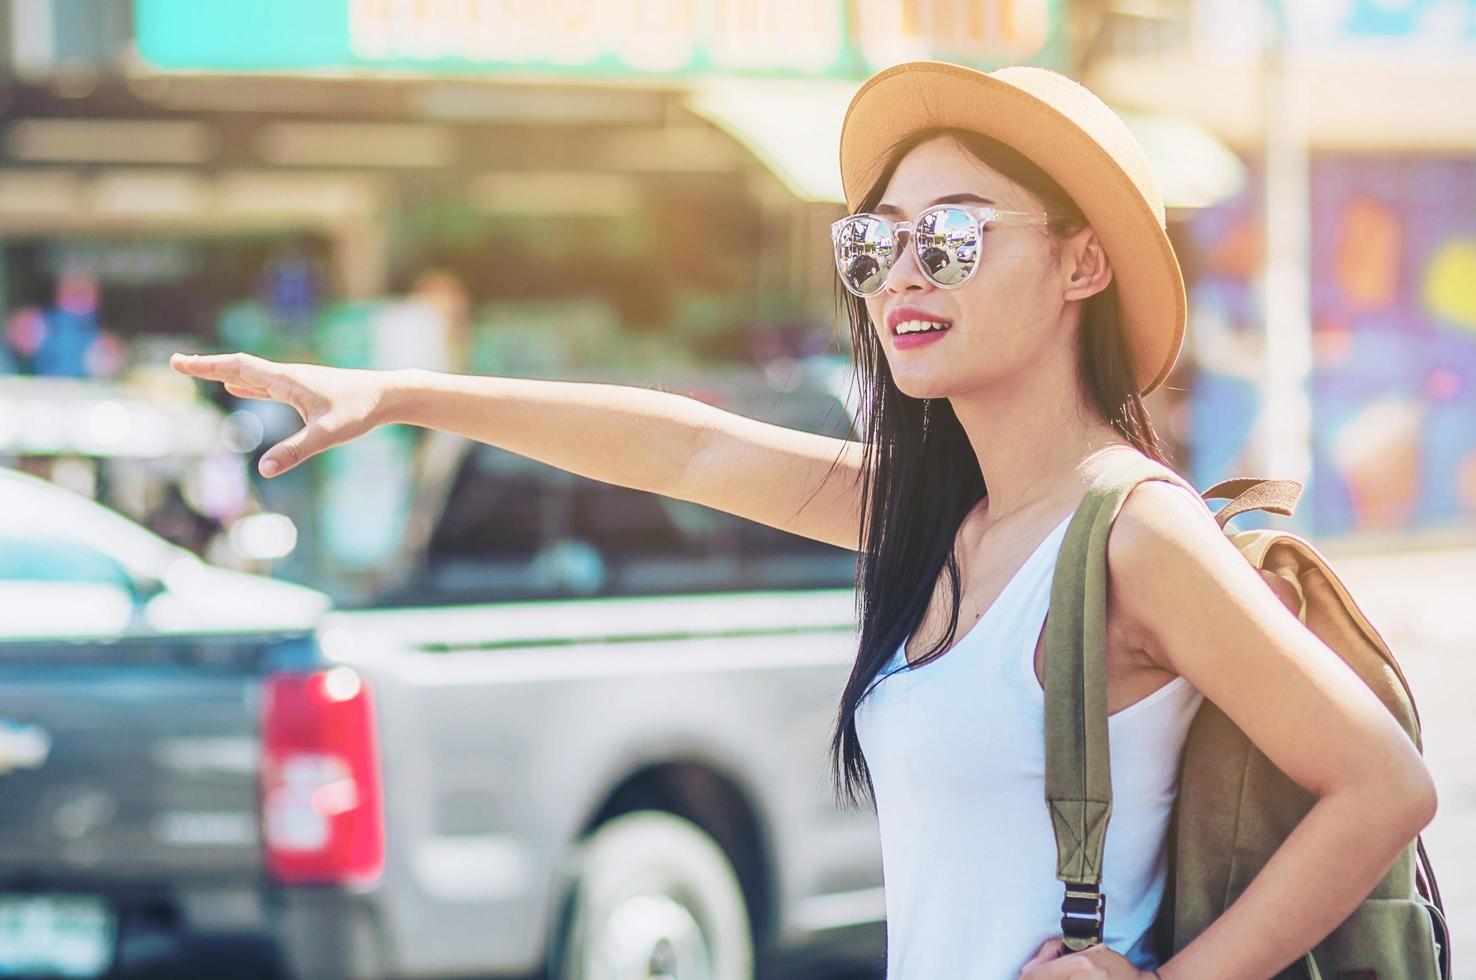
(60, 935)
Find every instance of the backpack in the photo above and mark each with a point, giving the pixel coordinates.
(1233, 807)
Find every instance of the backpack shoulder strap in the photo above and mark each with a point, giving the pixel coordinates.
(1254, 493)
(1078, 778)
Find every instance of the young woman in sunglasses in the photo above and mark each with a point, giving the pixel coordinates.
(1012, 296)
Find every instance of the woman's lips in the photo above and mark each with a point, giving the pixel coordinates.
(907, 341)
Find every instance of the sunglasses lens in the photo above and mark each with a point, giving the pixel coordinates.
(948, 244)
(864, 250)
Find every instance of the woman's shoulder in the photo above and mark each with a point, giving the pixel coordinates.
(1167, 556)
(1162, 514)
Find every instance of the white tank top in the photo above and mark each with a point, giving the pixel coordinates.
(956, 750)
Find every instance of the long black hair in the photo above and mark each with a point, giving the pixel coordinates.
(918, 486)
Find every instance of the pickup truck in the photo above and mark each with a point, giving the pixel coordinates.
(583, 734)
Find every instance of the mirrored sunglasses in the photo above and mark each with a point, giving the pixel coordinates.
(946, 239)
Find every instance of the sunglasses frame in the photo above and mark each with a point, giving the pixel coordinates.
(981, 216)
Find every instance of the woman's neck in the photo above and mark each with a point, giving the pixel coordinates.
(1035, 458)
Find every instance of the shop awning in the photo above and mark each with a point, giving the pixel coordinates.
(793, 127)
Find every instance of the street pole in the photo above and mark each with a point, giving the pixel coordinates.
(1284, 428)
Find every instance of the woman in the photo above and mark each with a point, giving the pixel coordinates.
(1005, 335)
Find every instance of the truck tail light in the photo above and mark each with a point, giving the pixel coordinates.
(322, 809)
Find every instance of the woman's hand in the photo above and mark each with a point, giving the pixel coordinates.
(337, 405)
(1095, 963)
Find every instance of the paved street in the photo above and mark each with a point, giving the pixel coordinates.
(1425, 606)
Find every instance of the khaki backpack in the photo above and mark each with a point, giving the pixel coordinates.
(1234, 807)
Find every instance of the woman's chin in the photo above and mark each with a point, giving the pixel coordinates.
(919, 388)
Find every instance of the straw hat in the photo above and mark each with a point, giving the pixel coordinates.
(1069, 133)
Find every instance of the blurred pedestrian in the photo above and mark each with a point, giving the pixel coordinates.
(71, 327)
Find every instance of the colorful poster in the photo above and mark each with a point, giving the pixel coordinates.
(1393, 307)
(1394, 335)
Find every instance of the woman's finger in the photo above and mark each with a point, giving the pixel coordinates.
(294, 449)
(291, 450)
(1073, 967)
(1048, 950)
(1045, 953)
(246, 391)
(239, 367)
(212, 367)
(308, 441)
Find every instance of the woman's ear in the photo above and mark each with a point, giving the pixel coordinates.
(1084, 265)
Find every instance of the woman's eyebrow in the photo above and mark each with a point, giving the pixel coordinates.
(964, 198)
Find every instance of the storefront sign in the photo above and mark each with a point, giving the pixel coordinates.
(836, 38)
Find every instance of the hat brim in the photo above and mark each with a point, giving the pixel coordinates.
(923, 94)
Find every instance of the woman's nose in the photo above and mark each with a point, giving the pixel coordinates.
(905, 272)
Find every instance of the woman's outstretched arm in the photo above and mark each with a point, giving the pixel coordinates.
(652, 440)
(630, 436)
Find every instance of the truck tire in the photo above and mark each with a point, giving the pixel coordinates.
(653, 897)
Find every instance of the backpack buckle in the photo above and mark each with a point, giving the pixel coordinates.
(1083, 916)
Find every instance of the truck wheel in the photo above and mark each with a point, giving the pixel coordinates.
(654, 898)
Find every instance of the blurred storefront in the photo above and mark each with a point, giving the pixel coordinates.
(1332, 337)
(485, 187)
